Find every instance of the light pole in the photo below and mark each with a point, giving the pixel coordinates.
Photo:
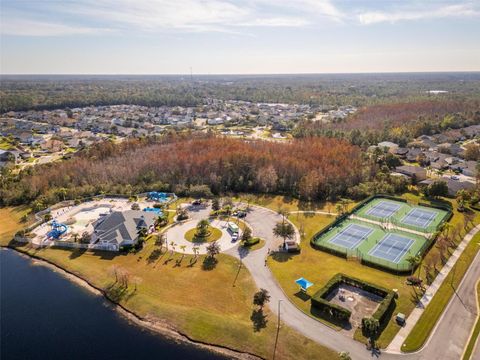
(278, 328)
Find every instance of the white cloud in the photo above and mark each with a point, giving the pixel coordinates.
(166, 16)
(25, 27)
(458, 10)
(183, 15)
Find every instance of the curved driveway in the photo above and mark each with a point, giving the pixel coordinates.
(177, 233)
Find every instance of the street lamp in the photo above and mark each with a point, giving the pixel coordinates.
(278, 328)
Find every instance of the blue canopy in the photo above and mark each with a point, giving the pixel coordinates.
(304, 283)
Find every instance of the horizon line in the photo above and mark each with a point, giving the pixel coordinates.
(244, 74)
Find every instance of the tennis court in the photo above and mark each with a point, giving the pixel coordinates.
(351, 236)
(384, 209)
(419, 217)
(392, 247)
(402, 214)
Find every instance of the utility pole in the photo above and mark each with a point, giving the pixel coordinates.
(278, 328)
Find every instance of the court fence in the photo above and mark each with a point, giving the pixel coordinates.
(398, 268)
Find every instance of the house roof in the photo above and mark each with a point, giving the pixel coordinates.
(453, 185)
(407, 169)
(120, 226)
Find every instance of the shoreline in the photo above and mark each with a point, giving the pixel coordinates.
(163, 329)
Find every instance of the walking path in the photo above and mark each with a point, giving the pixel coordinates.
(396, 344)
(320, 212)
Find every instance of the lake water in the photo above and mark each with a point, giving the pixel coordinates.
(45, 316)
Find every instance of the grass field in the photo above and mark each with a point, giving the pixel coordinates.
(473, 341)
(318, 267)
(214, 234)
(398, 217)
(202, 304)
(370, 242)
(10, 222)
(432, 313)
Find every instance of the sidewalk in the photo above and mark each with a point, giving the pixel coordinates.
(396, 344)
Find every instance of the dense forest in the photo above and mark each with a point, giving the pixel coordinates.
(326, 91)
(399, 122)
(313, 168)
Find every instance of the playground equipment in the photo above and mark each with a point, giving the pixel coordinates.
(158, 196)
(58, 230)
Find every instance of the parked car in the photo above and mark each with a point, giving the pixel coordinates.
(234, 237)
(455, 177)
(240, 214)
(197, 202)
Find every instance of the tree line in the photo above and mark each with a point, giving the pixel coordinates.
(313, 168)
(397, 122)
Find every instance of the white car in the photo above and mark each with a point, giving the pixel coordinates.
(455, 177)
(234, 237)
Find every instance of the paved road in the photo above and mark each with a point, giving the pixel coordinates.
(450, 335)
(454, 328)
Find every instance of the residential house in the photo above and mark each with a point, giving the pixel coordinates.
(471, 168)
(52, 145)
(389, 146)
(453, 185)
(414, 172)
(412, 154)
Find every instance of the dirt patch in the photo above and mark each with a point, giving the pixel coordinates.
(360, 302)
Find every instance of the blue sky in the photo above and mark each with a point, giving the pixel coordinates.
(241, 37)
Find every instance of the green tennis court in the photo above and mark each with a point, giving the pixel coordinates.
(371, 243)
(402, 215)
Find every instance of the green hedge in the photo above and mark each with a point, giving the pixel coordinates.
(381, 314)
(251, 242)
(331, 310)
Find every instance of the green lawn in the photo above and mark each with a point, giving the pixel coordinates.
(476, 331)
(257, 246)
(432, 313)
(10, 222)
(176, 291)
(214, 234)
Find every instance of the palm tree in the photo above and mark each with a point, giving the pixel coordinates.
(371, 327)
(161, 220)
(261, 297)
(161, 239)
(172, 247)
(75, 237)
(228, 211)
(284, 230)
(63, 192)
(196, 249)
(283, 213)
(183, 247)
(414, 261)
(202, 228)
(213, 250)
